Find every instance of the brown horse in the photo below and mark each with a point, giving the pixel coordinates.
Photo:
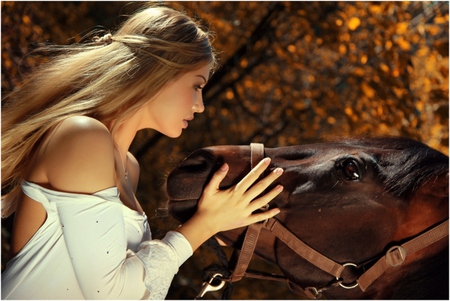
(356, 205)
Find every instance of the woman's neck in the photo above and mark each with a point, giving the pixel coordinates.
(123, 135)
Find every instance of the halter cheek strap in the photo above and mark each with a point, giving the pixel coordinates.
(251, 238)
(256, 153)
(252, 234)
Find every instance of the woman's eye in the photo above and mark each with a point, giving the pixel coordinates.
(350, 170)
(198, 88)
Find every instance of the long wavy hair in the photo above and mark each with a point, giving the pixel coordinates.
(108, 78)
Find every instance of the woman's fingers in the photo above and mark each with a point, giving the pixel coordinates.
(247, 181)
(217, 178)
(257, 217)
(265, 199)
(243, 186)
(262, 185)
(253, 175)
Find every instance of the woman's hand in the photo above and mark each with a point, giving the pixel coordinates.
(233, 208)
(221, 210)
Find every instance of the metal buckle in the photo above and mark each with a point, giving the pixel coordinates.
(395, 256)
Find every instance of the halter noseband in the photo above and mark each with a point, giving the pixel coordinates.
(394, 257)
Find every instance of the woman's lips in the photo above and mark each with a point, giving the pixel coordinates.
(185, 121)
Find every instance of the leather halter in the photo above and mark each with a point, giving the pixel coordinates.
(394, 257)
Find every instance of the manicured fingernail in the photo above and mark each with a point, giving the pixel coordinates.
(280, 188)
(266, 160)
(277, 211)
(224, 167)
(278, 171)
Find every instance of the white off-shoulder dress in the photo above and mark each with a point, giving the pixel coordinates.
(92, 247)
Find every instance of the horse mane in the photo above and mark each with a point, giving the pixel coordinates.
(405, 170)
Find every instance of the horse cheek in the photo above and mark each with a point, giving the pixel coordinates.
(297, 269)
(427, 207)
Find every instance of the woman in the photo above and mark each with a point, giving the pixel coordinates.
(79, 231)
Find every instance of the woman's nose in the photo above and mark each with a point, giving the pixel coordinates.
(199, 107)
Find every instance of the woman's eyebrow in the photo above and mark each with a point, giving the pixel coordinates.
(204, 79)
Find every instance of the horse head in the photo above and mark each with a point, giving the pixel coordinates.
(349, 200)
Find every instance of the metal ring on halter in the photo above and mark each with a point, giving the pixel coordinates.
(350, 285)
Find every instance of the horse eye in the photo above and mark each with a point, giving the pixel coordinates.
(350, 170)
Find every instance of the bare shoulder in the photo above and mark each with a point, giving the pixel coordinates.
(78, 156)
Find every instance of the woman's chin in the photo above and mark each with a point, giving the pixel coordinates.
(172, 134)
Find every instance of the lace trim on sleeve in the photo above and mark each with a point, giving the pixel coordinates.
(161, 265)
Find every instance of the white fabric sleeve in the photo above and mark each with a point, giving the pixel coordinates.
(94, 232)
(180, 244)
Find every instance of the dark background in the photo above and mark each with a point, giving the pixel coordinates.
(291, 73)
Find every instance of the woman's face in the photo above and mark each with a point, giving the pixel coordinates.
(171, 110)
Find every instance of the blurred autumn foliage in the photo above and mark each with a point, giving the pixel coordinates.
(291, 73)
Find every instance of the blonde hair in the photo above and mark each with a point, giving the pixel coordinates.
(108, 79)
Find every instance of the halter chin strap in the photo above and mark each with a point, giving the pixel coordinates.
(394, 257)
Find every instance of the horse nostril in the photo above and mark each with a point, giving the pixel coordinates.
(193, 166)
(200, 161)
(187, 180)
